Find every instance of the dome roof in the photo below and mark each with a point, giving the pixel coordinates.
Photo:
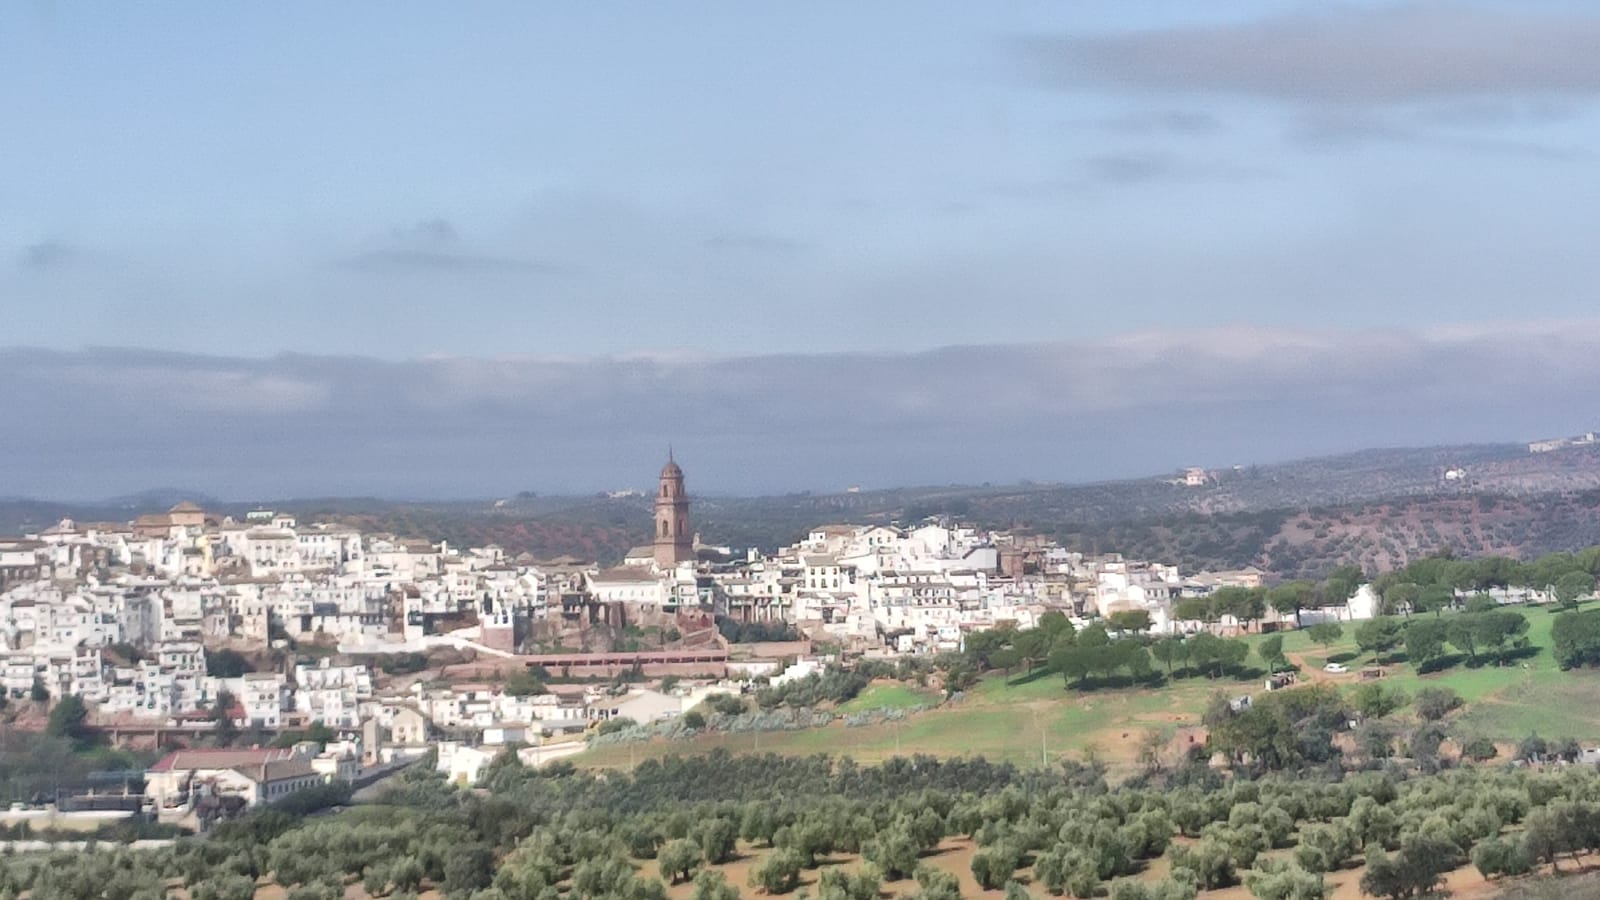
(671, 470)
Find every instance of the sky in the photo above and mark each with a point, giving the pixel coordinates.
(431, 250)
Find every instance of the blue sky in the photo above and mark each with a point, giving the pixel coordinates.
(600, 183)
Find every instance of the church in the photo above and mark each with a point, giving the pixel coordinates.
(658, 577)
(674, 542)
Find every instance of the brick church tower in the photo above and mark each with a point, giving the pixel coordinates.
(674, 542)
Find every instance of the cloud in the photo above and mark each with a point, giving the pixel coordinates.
(49, 254)
(102, 422)
(434, 245)
(1332, 130)
(1361, 55)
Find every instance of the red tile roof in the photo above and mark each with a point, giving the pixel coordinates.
(222, 758)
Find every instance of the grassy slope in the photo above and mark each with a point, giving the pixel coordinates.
(1028, 718)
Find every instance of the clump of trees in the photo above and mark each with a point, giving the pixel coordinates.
(737, 632)
(1575, 638)
(835, 684)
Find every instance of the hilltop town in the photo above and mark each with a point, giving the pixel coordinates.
(177, 625)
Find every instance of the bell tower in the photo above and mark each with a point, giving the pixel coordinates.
(674, 542)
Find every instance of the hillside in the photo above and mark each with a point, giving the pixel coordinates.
(1378, 508)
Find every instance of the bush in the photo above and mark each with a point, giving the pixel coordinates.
(1434, 703)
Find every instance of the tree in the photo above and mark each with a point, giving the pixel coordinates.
(679, 859)
(1325, 848)
(1572, 586)
(1291, 597)
(1325, 633)
(710, 884)
(1340, 585)
(1208, 861)
(717, 838)
(993, 866)
(1130, 620)
(525, 683)
(1424, 639)
(1435, 598)
(225, 886)
(227, 663)
(1271, 652)
(1244, 604)
(895, 851)
(1193, 609)
(780, 873)
(1402, 598)
(1416, 870)
(38, 693)
(1033, 646)
(1479, 749)
(1167, 651)
(1575, 638)
(936, 884)
(1491, 630)
(468, 867)
(225, 731)
(1374, 701)
(837, 884)
(1378, 636)
(67, 719)
(1496, 856)
(1074, 663)
(1275, 880)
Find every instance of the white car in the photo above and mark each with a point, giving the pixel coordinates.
(1336, 668)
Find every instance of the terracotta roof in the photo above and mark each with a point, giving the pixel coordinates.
(276, 770)
(627, 573)
(228, 758)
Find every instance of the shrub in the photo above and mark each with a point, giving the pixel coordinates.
(1434, 703)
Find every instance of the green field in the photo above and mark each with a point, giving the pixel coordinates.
(1029, 718)
(889, 696)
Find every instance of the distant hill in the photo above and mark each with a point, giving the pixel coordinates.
(1374, 507)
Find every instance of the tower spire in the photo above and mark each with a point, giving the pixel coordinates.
(674, 542)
